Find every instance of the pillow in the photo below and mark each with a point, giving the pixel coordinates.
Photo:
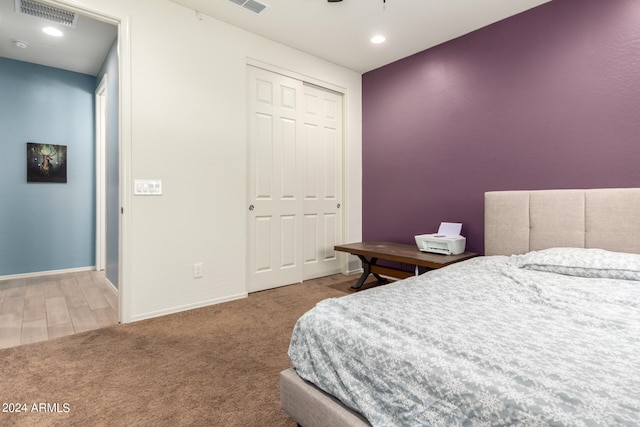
(582, 262)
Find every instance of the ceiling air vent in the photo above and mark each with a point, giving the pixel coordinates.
(252, 5)
(45, 11)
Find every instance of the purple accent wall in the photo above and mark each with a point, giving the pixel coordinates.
(549, 98)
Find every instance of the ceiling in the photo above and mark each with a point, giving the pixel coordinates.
(82, 49)
(337, 32)
(340, 32)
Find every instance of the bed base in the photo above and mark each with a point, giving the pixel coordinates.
(311, 407)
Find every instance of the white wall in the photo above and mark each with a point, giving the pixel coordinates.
(184, 120)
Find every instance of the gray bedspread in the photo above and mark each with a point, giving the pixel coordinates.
(484, 342)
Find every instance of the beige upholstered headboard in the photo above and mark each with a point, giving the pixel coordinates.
(517, 222)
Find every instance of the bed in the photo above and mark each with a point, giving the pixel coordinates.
(542, 331)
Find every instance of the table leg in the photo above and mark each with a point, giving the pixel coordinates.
(366, 267)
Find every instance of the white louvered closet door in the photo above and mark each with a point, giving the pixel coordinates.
(295, 180)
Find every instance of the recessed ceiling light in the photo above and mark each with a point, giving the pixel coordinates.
(52, 31)
(377, 39)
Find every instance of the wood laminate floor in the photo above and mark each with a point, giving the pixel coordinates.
(45, 307)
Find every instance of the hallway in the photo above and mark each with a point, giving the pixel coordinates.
(36, 309)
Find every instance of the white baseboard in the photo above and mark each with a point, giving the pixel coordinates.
(115, 289)
(47, 273)
(178, 309)
(352, 272)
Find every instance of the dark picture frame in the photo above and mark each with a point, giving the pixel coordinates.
(46, 163)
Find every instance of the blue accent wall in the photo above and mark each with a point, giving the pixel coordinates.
(46, 226)
(110, 68)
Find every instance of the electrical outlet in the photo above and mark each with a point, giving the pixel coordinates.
(197, 270)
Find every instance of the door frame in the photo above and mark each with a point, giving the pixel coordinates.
(305, 79)
(114, 15)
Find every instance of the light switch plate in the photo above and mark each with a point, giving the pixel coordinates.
(147, 187)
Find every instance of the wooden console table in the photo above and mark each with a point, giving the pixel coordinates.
(398, 252)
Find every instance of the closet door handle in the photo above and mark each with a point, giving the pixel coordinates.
(251, 207)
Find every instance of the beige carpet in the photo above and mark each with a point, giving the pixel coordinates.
(215, 366)
(368, 284)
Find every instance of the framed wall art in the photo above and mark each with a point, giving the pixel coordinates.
(46, 162)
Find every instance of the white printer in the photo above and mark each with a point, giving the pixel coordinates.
(447, 240)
